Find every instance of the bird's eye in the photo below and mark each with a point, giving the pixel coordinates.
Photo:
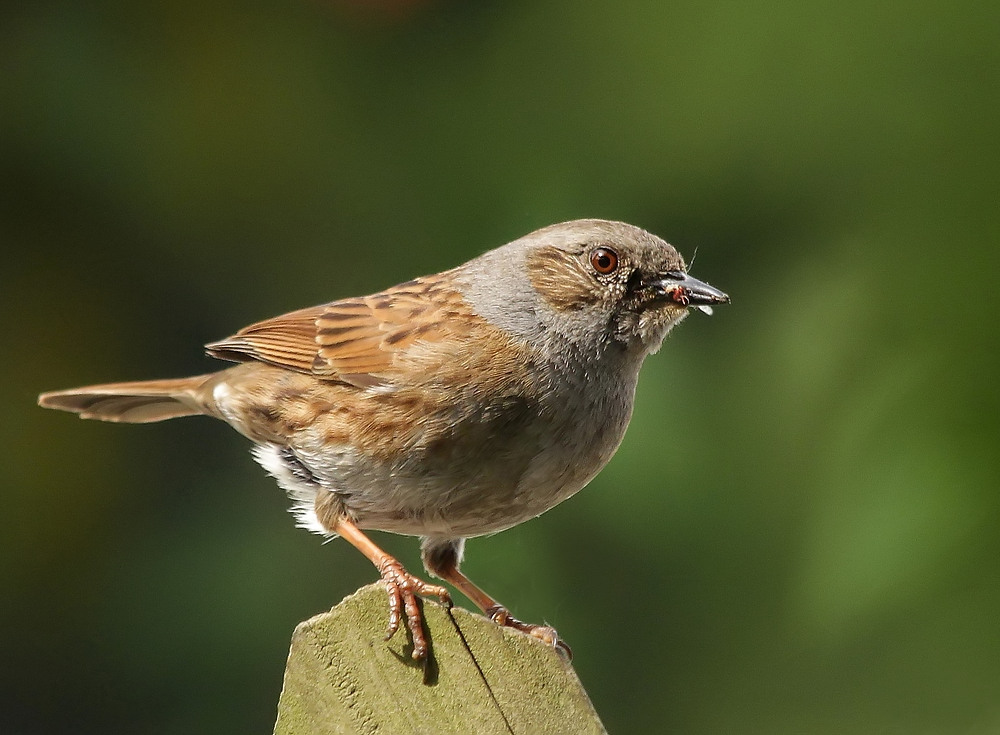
(604, 260)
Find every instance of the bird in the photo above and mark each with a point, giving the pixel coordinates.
(448, 407)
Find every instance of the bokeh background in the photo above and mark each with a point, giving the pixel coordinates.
(799, 533)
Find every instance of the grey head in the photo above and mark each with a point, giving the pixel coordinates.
(595, 286)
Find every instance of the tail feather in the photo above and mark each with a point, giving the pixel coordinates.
(134, 403)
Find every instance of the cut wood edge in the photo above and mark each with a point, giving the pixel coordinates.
(343, 677)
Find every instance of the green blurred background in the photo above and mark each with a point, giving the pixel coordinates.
(799, 533)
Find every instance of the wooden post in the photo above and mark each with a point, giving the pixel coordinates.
(342, 677)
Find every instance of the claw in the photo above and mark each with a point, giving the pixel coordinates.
(547, 634)
(403, 589)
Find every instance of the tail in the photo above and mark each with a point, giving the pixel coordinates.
(134, 403)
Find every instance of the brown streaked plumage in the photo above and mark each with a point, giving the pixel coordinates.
(450, 406)
(355, 341)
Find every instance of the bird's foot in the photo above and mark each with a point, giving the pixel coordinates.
(501, 616)
(403, 589)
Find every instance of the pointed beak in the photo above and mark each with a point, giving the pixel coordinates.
(679, 287)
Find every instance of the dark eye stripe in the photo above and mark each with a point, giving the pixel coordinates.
(635, 281)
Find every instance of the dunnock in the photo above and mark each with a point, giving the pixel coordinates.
(450, 406)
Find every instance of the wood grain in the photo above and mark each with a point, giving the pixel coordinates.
(342, 677)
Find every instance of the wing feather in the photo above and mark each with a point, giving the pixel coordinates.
(357, 340)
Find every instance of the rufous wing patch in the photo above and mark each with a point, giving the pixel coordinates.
(356, 340)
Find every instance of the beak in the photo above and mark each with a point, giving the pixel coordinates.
(681, 288)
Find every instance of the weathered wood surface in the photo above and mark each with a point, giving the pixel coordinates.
(342, 677)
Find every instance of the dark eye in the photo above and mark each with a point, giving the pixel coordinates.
(604, 260)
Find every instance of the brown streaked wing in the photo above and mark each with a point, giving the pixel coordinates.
(287, 341)
(360, 339)
(355, 340)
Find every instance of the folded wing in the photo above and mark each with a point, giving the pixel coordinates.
(358, 341)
